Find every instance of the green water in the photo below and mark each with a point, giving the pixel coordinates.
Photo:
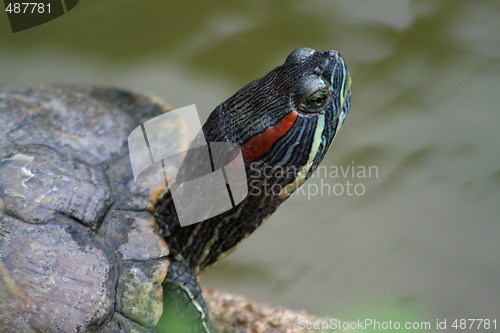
(422, 237)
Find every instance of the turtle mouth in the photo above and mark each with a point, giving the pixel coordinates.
(345, 106)
(341, 78)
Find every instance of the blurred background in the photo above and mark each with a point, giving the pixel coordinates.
(420, 239)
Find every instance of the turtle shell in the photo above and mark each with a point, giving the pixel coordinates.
(79, 249)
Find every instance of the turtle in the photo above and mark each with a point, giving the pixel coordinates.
(84, 248)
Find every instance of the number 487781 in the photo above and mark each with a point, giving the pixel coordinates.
(28, 8)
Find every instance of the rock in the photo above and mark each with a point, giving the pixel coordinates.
(237, 314)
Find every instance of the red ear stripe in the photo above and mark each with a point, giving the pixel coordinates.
(262, 143)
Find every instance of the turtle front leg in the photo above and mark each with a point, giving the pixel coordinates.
(184, 310)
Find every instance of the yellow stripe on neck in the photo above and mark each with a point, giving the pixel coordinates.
(301, 176)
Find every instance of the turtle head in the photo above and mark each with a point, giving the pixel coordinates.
(285, 121)
(284, 124)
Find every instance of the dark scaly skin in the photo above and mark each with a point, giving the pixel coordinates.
(284, 129)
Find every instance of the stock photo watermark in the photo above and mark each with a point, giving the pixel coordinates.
(339, 180)
(24, 15)
(371, 324)
(206, 179)
(327, 180)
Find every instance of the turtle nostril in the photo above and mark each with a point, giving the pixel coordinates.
(333, 54)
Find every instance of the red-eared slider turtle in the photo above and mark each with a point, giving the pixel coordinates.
(82, 246)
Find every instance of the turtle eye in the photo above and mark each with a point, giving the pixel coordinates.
(311, 94)
(317, 99)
